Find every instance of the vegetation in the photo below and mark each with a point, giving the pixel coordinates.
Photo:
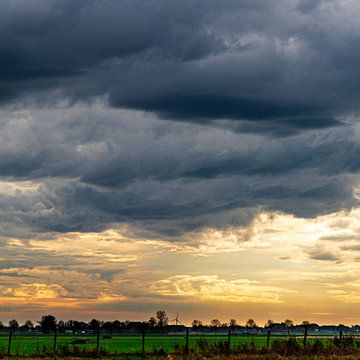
(204, 345)
(157, 337)
(160, 324)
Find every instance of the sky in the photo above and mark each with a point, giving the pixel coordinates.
(194, 156)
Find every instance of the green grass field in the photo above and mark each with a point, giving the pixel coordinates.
(43, 344)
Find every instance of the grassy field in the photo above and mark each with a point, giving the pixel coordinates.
(200, 357)
(43, 344)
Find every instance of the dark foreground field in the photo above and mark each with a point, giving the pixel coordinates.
(174, 347)
(132, 344)
(39, 345)
(200, 357)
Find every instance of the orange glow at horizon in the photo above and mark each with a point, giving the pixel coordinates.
(279, 266)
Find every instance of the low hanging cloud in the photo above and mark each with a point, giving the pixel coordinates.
(88, 167)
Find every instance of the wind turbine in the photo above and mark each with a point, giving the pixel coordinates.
(177, 321)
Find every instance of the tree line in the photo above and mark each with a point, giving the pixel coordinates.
(160, 320)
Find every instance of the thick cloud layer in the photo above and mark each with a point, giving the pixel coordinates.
(281, 66)
(261, 100)
(85, 168)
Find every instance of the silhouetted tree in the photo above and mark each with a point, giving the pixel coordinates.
(76, 325)
(13, 324)
(152, 322)
(196, 324)
(108, 326)
(29, 325)
(116, 325)
(215, 324)
(69, 324)
(94, 324)
(162, 318)
(251, 323)
(233, 323)
(288, 324)
(61, 326)
(47, 323)
(269, 324)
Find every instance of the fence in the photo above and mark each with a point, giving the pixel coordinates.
(39, 344)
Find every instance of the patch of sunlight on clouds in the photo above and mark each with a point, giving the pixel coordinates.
(34, 291)
(211, 287)
(111, 298)
(288, 237)
(282, 235)
(109, 245)
(15, 188)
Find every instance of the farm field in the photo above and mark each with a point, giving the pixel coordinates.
(130, 344)
(195, 357)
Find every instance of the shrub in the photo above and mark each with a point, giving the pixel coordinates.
(289, 347)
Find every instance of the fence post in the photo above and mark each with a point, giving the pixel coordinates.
(9, 344)
(97, 340)
(55, 338)
(143, 342)
(268, 339)
(341, 334)
(229, 341)
(187, 342)
(305, 334)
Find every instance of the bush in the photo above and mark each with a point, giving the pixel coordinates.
(289, 347)
(218, 348)
(318, 347)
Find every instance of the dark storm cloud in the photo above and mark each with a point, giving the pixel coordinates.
(236, 77)
(286, 66)
(47, 42)
(92, 167)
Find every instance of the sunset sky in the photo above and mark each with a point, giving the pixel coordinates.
(195, 156)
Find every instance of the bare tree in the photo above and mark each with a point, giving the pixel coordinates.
(162, 318)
